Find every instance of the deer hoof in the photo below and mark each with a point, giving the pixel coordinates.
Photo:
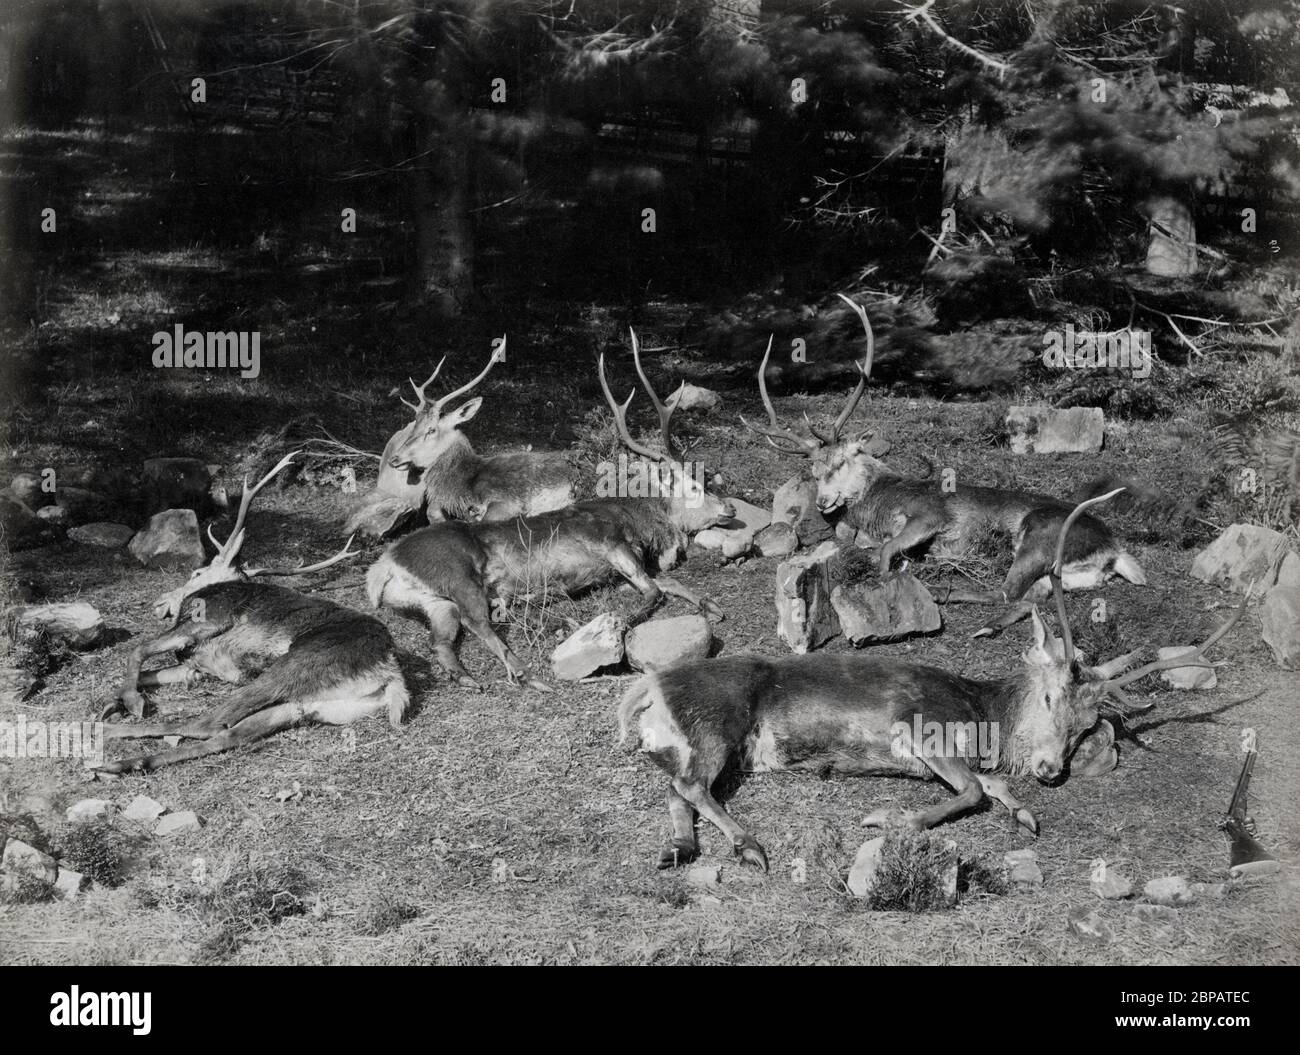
(676, 854)
(713, 610)
(1025, 818)
(750, 852)
(540, 686)
(984, 631)
(133, 702)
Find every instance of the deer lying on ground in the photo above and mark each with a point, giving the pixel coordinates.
(865, 716)
(311, 660)
(460, 484)
(902, 516)
(454, 574)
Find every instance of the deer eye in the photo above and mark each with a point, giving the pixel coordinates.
(1047, 699)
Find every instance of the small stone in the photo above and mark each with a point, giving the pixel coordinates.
(170, 541)
(102, 533)
(1242, 555)
(26, 488)
(1186, 677)
(1213, 891)
(143, 808)
(1046, 430)
(1112, 887)
(805, 616)
(862, 875)
(76, 623)
(597, 644)
(21, 861)
(1022, 869)
(54, 516)
(710, 538)
(1279, 618)
(776, 540)
(172, 741)
(1289, 573)
(951, 871)
(1156, 913)
(1171, 891)
(69, 883)
(693, 397)
(663, 643)
(185, 821)
(706, 877)
(88, 810)
(1089, 925)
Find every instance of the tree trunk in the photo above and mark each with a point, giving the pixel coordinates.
(443, 191)
(1172, 252)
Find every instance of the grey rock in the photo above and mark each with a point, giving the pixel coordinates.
(143, 808)
(1172, 891)
(883, 611)
(102, 533)
(597, 644)
(776, 540)
(76, 623)
(1242, 555)
(694, 397)
(1280, 625)
(174, 823)
(88, 810)
(805, 616)
(1089, 925)
(662, 643)
(862, 875)
(170, 541)
(23, 862)
(1186, 677)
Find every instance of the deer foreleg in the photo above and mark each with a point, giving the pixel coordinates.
(185, 635)
(676, 589)
(956, 775)
(996, 788)
(474, 614)
(916, 531)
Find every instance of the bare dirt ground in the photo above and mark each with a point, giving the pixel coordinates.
(505, 826)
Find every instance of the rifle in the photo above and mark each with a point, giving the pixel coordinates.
(1247, 858)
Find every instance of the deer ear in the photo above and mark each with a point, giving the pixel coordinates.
(464, 412)
(1041, 636)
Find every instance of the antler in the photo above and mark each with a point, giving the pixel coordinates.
(774, 432)
(864, 371)
(1058, 591)
(419, 389)
(620, 411)
(341, 555)
(620, 414)
(498, 356)
(227, 551)
(1195, 658)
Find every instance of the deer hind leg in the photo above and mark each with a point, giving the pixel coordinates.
(996, 788)
(474, 614)
(444, 628)
(954, 773)
(675, 589)
(255, 727)
(697, 793)
(683, 847)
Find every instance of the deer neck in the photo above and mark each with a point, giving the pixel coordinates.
(447, 482)
(1002, 701)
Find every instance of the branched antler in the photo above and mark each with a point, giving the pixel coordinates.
(228, 550)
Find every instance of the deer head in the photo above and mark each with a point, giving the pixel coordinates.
(690, 506)
(843, 467)
(222, 567)
(432, 432)
(1061, 698)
